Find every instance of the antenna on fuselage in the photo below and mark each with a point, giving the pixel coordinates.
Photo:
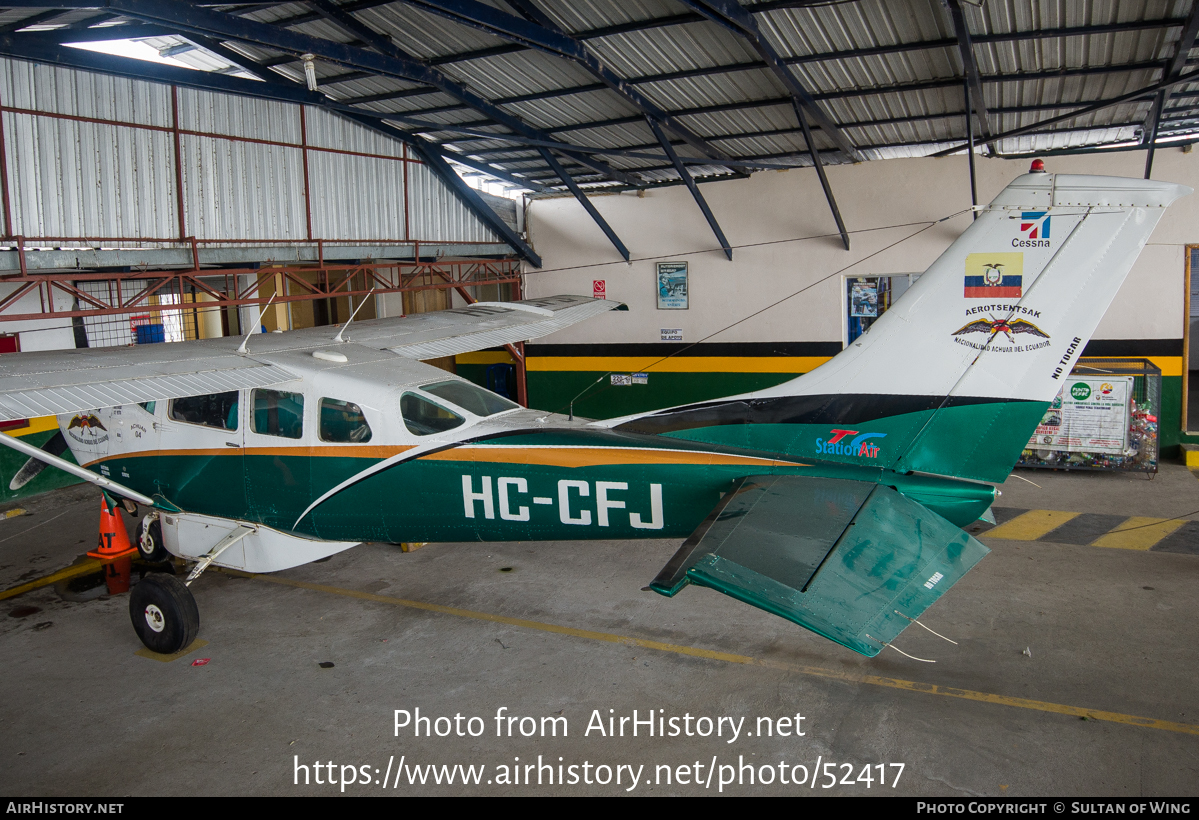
(242, 349)
(338, 338)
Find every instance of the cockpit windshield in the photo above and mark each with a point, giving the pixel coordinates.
(470, 397)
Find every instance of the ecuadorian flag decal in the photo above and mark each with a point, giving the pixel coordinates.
(994, 274)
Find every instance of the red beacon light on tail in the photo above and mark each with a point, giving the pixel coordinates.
(1038, 167)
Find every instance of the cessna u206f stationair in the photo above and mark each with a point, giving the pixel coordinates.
(834, 500)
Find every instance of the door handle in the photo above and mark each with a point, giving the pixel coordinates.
(232, 444)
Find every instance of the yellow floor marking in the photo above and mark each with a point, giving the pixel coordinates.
(83, 568)
(1138, 533)
(13, 513)
(154, 656)
(1031, 525)
(727, 657)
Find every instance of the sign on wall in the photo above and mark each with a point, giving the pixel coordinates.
(1089, 415)
(671, 334)
(863, 299)
(599, 288)
(672, 285)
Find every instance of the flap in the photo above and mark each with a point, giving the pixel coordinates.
(849, 560)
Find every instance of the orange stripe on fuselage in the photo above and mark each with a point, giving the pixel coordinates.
(596, 456)
(327, 451)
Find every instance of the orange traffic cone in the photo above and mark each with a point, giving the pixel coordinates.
(114, 540)
(117, 575)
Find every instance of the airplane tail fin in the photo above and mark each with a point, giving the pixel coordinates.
(955, 376)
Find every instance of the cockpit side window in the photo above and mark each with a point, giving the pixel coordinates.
(217, 410)
(470, 397)
(343, 422)
(422, 417)
(277, 413)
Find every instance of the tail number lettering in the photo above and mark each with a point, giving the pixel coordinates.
(572, 499)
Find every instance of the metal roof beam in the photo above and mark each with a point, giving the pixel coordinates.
(681, 170)
(782, 132)
(33, 20)
(754, 65)
(975, 98)
(560, 172)
(734, 17)
(1089, 109)
(1186, 41)
(867, 92)
(918, 45)
(543, 35)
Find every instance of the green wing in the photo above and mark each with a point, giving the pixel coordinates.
(850, 560)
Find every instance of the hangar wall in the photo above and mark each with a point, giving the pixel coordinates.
(764, 216)
(95, 157)
(109, 173)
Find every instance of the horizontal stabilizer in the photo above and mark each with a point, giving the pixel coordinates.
(850, 560)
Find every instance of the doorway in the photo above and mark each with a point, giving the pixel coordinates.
(869, 297)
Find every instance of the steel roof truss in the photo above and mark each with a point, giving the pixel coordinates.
(542, 34)
(681, 170)
(566, 178)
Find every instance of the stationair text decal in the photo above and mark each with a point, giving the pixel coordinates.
(859, 446)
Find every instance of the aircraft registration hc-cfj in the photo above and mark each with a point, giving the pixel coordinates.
(835, 500)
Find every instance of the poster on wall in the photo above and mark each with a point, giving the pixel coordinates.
(672, 286)
(863, 299)
(1089, 415)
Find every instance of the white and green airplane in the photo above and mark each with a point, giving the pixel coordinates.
(835, 500)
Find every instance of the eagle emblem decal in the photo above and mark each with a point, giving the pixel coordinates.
(1008, 327)
(88, 422)
(87, 429)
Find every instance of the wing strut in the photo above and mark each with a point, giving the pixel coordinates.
(74, 469)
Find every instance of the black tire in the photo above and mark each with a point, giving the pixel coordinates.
(164, 613)
(148, 541)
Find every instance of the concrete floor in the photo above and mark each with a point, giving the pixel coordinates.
(1105, 704)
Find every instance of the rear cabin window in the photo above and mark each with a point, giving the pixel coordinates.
(278, 414)
(470, 397)
(343, 422)
(217, 410)
(422, 417)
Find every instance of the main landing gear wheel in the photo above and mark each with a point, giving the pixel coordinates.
(148, 540)
(164, 613)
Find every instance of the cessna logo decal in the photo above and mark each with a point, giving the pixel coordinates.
(570, 500)
(1034, 230)
(90, 430)
(859, 446)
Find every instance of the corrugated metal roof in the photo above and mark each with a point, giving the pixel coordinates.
(889, 73)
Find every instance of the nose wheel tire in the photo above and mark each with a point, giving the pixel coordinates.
(148, 540)
(164, 613)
